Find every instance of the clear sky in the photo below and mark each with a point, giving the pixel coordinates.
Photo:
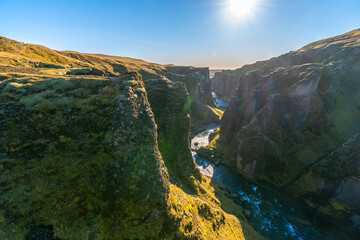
(182, 32)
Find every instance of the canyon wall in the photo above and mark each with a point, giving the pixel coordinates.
(97, 147)
(81, 156)
(294, 121)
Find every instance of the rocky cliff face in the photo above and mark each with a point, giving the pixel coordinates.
(326, 51)
(294, 116)
(171, 107)
(102, 153)
(198, 85)
(224, 83)
(81, 156)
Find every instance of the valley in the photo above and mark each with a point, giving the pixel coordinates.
(96, 147)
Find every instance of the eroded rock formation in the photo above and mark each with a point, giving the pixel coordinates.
(293, 118)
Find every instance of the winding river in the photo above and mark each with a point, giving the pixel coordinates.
(274, 213)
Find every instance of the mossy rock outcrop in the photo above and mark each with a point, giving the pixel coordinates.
(81, 156)
(171, 105)
(201, 101)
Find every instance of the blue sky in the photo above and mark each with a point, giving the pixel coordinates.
(182, 32)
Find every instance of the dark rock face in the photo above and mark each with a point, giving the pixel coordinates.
(224, 83)
(295, 113)
(348, 192)
(139, 192)
(41, 233)
(198, 85)
(81, 157)
(333, 183)
(170, 104)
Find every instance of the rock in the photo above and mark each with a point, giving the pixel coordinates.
(50, 65)
(198, 85)
(247, 213)
(349, 192)
(86, 71)
(83, 171)
(173, 120)
(217, 162)
(232, 195)
(302, 222)
(356, 220)
(224, 83)
(226, 163)
(238, 201)
(287, 123)
(41, 232)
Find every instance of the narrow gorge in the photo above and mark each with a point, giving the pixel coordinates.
(293, 121)
(103, 147)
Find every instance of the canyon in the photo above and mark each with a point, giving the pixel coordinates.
(99, 147)
(294, 121)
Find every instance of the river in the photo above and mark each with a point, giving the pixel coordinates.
(274, 213)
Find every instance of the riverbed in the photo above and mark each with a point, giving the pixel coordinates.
(274, 213)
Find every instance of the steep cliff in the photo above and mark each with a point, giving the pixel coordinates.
(170, 103)
(224, 83)
(329, 50)
(293, 117)
(198, 86)
(100, 153)
(67, 145)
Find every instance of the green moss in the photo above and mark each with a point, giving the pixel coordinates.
(58, 141)
(338, 206)
(306, 184)
(170, 104)
(335, 209)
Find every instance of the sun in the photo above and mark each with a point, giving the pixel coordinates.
(241, 8)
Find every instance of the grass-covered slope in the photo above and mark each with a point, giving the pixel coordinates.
(17, 58)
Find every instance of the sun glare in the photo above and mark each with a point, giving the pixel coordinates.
(241, 8)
